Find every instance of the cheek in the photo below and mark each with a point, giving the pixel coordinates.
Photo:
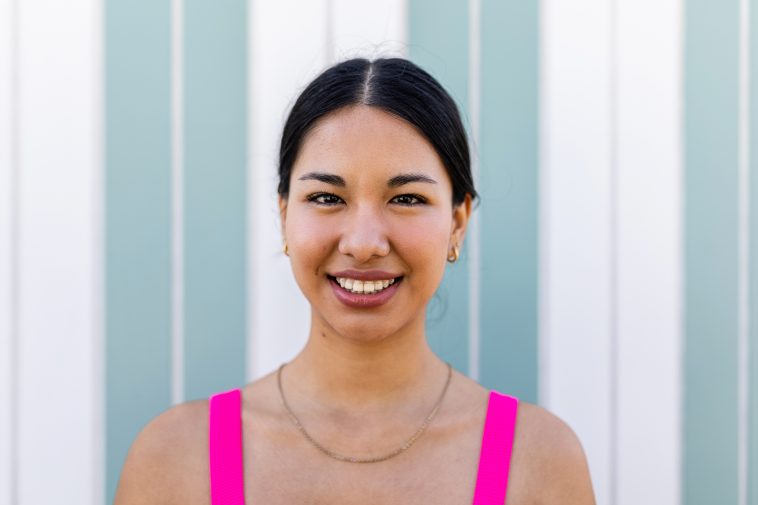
(422, 243)
(310, 241)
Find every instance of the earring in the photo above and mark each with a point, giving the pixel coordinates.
(455, 255)
(286, 250)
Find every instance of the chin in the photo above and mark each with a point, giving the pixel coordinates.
(363, 332)
(358, 328)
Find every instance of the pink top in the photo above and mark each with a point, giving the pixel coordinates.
(225, 449)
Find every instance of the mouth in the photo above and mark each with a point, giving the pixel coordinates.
(364, 288)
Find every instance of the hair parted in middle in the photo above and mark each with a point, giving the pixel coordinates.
(397, 86)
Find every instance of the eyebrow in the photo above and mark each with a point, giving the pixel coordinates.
(394, 182)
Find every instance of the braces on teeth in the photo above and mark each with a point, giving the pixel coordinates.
(363, 287)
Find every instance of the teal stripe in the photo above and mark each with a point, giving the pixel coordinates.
(711, 252)
(137, 222)
(215, 133)
(753, 260)
(509, 186)
(439, 44)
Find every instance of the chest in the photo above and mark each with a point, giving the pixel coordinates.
(435, 470)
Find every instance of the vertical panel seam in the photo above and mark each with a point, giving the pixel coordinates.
(744, 266)
(680, 244)
(614, 251)
(406, 30)
(543, 270)
(99, 456)
(14, 249)
(252, 255)
(177, 202)
(474, 77)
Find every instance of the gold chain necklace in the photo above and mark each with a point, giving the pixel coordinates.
(350, 459)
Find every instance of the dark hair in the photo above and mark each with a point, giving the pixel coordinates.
(395, 85)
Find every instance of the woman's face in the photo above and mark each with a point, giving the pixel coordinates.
(369, 195)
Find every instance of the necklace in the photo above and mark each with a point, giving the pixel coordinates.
(350, 459)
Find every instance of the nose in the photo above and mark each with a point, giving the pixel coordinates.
(364, 235)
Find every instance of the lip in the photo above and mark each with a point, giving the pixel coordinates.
(361, 301)
(366, 275)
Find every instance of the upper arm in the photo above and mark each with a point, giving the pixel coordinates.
(163, 461)
(568, 480)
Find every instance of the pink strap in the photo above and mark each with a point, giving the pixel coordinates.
(225, 447)
(495, 454)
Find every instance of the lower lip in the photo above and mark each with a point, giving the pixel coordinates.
(363, 301)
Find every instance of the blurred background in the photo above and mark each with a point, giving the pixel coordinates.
(610, 274)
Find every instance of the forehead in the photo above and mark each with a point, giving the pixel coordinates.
(363, 142)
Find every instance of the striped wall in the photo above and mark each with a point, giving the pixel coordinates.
(712, 123)
(138, 219)
(609, 274)
(214, 165)
(52, 436)
(577, 290)
(646, 265)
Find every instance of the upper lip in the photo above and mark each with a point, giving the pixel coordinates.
(366, 275)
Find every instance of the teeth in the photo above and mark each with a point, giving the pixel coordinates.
(369, 287)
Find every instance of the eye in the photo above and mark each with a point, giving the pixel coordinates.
(410, 200)
(324, 198)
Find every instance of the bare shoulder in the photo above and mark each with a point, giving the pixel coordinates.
(548, 453)
(168, 459)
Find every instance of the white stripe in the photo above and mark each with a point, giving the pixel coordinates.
(59, 82)
(329, 50)
(474, 241)
(648, 256)
(744, 255)
(177, 202)
(576, 206)
(367, 29)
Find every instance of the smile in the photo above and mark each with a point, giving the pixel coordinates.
(363, 287)
(363, 294)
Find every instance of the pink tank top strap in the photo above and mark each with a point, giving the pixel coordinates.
(495, 454)
(225, 448)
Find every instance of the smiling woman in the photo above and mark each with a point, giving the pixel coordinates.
(375, 194)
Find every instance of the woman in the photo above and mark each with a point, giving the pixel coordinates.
(375, 194)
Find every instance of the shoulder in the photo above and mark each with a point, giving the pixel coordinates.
(551, 458)
(167, 459)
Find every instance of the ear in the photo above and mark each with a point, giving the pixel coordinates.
(283, 214)
(461, 215)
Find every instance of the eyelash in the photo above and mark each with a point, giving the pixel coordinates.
(315, 196)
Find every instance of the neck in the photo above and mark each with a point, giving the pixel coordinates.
(340, 375)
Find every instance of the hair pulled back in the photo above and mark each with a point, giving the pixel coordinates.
(395, 85)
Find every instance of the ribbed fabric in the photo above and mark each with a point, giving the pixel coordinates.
(225, 449)
(495, 454)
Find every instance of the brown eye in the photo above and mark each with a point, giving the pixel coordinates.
(324, 199)
(410, 200)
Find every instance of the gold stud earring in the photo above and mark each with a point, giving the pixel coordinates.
(286, 250)
(455, 255)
